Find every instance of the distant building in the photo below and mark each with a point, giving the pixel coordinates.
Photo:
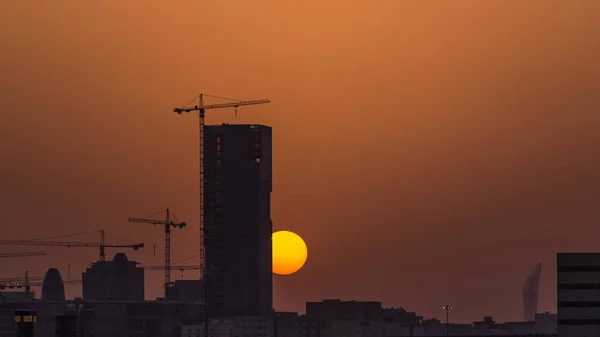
(254, 326)
(362, 329)
(401, 316)
(53, 288)
(545, 323)
(119, 279)
(186, 291)
(237, 219)
(288, 324)
(17, 296)
(217, 328)
(578, 294)
(103, 318)
(327, 323)
(242, 326)
(338, 310)
(530, 294)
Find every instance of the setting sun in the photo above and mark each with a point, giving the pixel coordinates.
(289, 253)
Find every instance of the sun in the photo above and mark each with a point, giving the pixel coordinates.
(289, 253)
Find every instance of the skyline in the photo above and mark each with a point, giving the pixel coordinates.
(449, 142)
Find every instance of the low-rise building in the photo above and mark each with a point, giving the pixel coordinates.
(105, 318)
(545, 323)
(241, 326)
(216, 328)
(294, 325)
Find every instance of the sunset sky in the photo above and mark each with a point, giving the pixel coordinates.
(429, 152)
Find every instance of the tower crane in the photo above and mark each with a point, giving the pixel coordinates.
(21, 254)
(16, 282)
(201, 108)
(28, 285)
(180, 268)
(167, 223)
(102, 245)
(20, 280)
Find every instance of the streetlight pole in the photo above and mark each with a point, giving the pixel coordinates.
(447, 308)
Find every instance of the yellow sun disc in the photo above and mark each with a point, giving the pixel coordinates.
(289, 253)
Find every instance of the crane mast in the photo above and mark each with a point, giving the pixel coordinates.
(167, 224)
(201, 108)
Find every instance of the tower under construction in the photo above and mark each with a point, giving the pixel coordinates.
(237, 219)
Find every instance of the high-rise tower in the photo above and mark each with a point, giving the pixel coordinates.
(237, 219)
(530, 293)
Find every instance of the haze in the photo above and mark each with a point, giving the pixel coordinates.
(429, 152)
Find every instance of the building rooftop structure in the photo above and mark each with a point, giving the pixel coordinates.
(119, 279)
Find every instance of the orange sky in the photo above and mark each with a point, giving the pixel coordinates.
(429, 152)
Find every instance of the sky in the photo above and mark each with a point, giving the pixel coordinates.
(429, 152)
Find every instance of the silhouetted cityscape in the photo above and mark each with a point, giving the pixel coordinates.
(276, 168)
(235, 293)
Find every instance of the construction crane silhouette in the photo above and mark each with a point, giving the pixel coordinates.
(201, 108)
(20, 279)
(21, 254)
(181, 268)
(27, 286)
(167, 223)
(17, 282)
(69, 244)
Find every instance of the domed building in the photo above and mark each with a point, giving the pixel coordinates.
(53, 288)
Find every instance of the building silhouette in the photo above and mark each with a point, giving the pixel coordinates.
(185, 291)
(119, 279)
(237, 219)
(578, 299)
(338, 310)
(530, 293)
(53, 288)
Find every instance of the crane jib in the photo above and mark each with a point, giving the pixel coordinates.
(223, 105)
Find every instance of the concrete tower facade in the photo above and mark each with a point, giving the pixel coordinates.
(237, 219)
